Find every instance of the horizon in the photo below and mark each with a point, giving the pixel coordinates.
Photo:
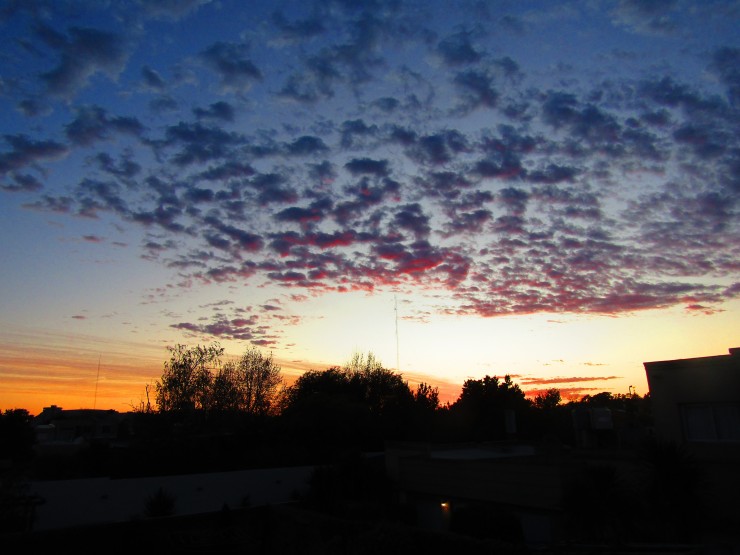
(542, 189)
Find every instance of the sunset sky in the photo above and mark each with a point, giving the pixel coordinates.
(544, 189)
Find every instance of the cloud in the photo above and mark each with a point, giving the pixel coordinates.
(31, 107)
(566, 379)
(298, 30)
(354, 133)
(22, 183)
(152, 79)
(726, 64)
(411, 217)
(200, 143)
(83, 52)
(171, 9)
(231, 327)
(305, 146)
(477, 89)
(232, 63)
(458, 49)
(26, 151)
(513, 187)
(126, 168)
(438, 148)
(646, 16)
(218, 111)
(367, 166)
(93, 124)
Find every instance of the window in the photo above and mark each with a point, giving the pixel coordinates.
(711, 421)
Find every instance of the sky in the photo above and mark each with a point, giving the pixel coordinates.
(542, 189)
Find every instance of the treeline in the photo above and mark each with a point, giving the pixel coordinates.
(206, 413)
(360, 404)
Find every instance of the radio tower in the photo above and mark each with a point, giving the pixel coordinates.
(398, 362)
(97, 379)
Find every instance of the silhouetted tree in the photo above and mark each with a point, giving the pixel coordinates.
(603, 399)
(426, 397)
(361, 401)
(187, 379)
(225, 394)
(547, 400)
(425, 412)
(480, 411)
(16, 434)
(385, 392)
(257, 382)
(324, 406)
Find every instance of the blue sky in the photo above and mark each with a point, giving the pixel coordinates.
(284, 174)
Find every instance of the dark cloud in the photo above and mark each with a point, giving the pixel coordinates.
(646, 16)
(233, 326)
(31, 107)
(508, 166)
(315, 212)
(387, 104)
(367, 166)
(228, 170)
(323, 173)
(411, 217)
(231, 61)
(305, 146)
(355, 132)
(297, 30)
(446, 184)
(22, 183)
(26, 151)
(199, 143)
(93, 124)
(438, 148)
(461, 223)
(126, 168)
(514, 199)
(218, 111)
(84, 52)
(458, 49)
(163, 104)
(553, 173)
(171, 9)
(96, 195)
(152, 79)
(47, 203)
(726, 64)
(273, 188)
(477, 89)
(512, 24)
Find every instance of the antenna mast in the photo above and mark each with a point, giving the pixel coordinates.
(97, 379)
(398, 363)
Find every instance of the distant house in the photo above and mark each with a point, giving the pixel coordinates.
(696, 401)
(64, 430)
